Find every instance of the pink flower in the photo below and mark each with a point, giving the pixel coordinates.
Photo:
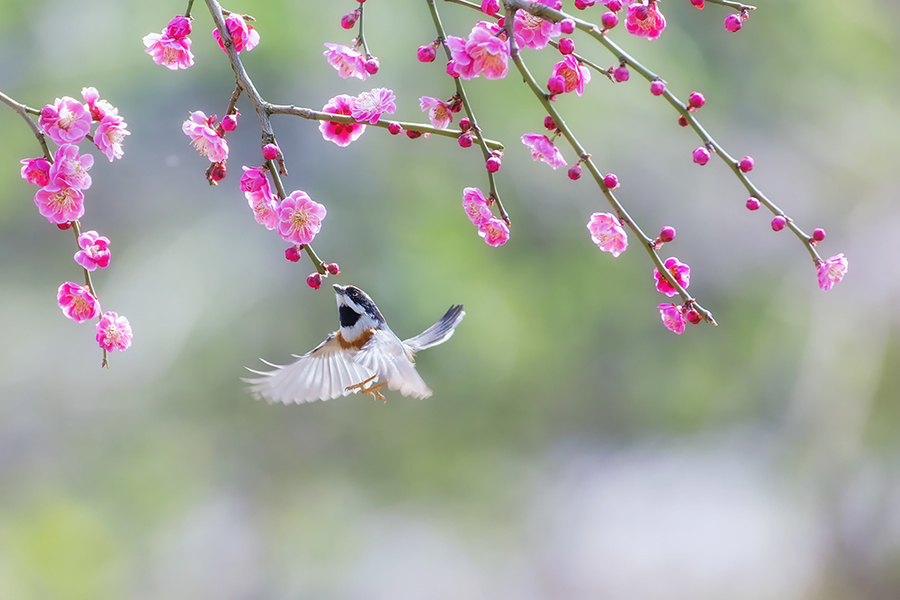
(369, 106)
(300, 219)
(60, 204)
(672, 317)
(347, 61)
(494, 231)
(179, 27)
(97, 107)
(71, 170)
(575, 74)
(608, 233)
(476, 207)
(110, 135)
(36, 171)
(204, 138)
(534, 32)
(486, 51)
(66, 121)
(832, 271)
(113, 332)
(679, 271)
(542, 149)
(242, 33)
(645, 20)
(340, 133)
(172, 53)
(94, 251)
(77, 302)
(259, 196)
(438, 111)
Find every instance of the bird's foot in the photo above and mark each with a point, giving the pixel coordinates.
(372, 390)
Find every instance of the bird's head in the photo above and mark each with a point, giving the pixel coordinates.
(357, 312)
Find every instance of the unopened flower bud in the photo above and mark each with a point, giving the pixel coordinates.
(292, 253)
(567, 26)
(752, 203)
(666, 234)
(694, 317)
(493, 164)
(549, 123)
(698, 3)
(611, 181)
(333, 268)
(465, 140)
(371, 65)
(178, 28)
(696, 100)
(314, 280)
(490, 7)
(614, 5)
(746, 164)
(566, 46)
(217, 171)
(465, 124)
(609, 20)
(556, 84)
(412, 134)
(229, 123)
(621, 74)
(657, 87)
(65, 226)
(701, 156)
(575, 173)
(818, 235)
(270, 151)
(349, 20)
(778, 223)
(682, 120)
(395, 128)
(426, 53)
(733, 22)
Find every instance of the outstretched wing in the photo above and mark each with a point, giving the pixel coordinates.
(438, 333)
(321, 374)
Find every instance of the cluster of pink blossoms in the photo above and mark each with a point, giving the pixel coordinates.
(297, 218)
(350, 62)
(172, 47)
(533, 32)
(486, 52)
(60, 200)
(367, 107)
(493, 230)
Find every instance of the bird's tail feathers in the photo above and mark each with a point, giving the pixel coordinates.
(438, 333)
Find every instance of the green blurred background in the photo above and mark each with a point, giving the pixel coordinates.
(573, 448)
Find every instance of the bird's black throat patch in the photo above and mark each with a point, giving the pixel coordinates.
(348, 316)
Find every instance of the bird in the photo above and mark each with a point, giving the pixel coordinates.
(363, 355)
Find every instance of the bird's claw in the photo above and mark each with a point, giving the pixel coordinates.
(373, 390)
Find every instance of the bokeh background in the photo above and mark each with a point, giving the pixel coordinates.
(574, 448)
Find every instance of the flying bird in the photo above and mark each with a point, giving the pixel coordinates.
(364, 355)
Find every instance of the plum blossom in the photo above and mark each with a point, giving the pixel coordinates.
(60, 204)
(544, 150)
(369, 106)
(71, 170)
(206, 140)
(679, 271)
(672, 317)
(66, 121)
(36, 171)
(340, 133)
(533, 32)
(486, 51)
(608, 233)
(574, 74)
(172, 47)
(77, 302)
(347, 61)
(476, 206)
(97, 107)
(242, 33)
(113, 332)
(300, 218)
(110, 135)
(438, 111)
(259, 196)
(645, 20)
(494, 231)
(94, 251)
(832, 271)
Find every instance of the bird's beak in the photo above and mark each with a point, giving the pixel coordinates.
(339, 289)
